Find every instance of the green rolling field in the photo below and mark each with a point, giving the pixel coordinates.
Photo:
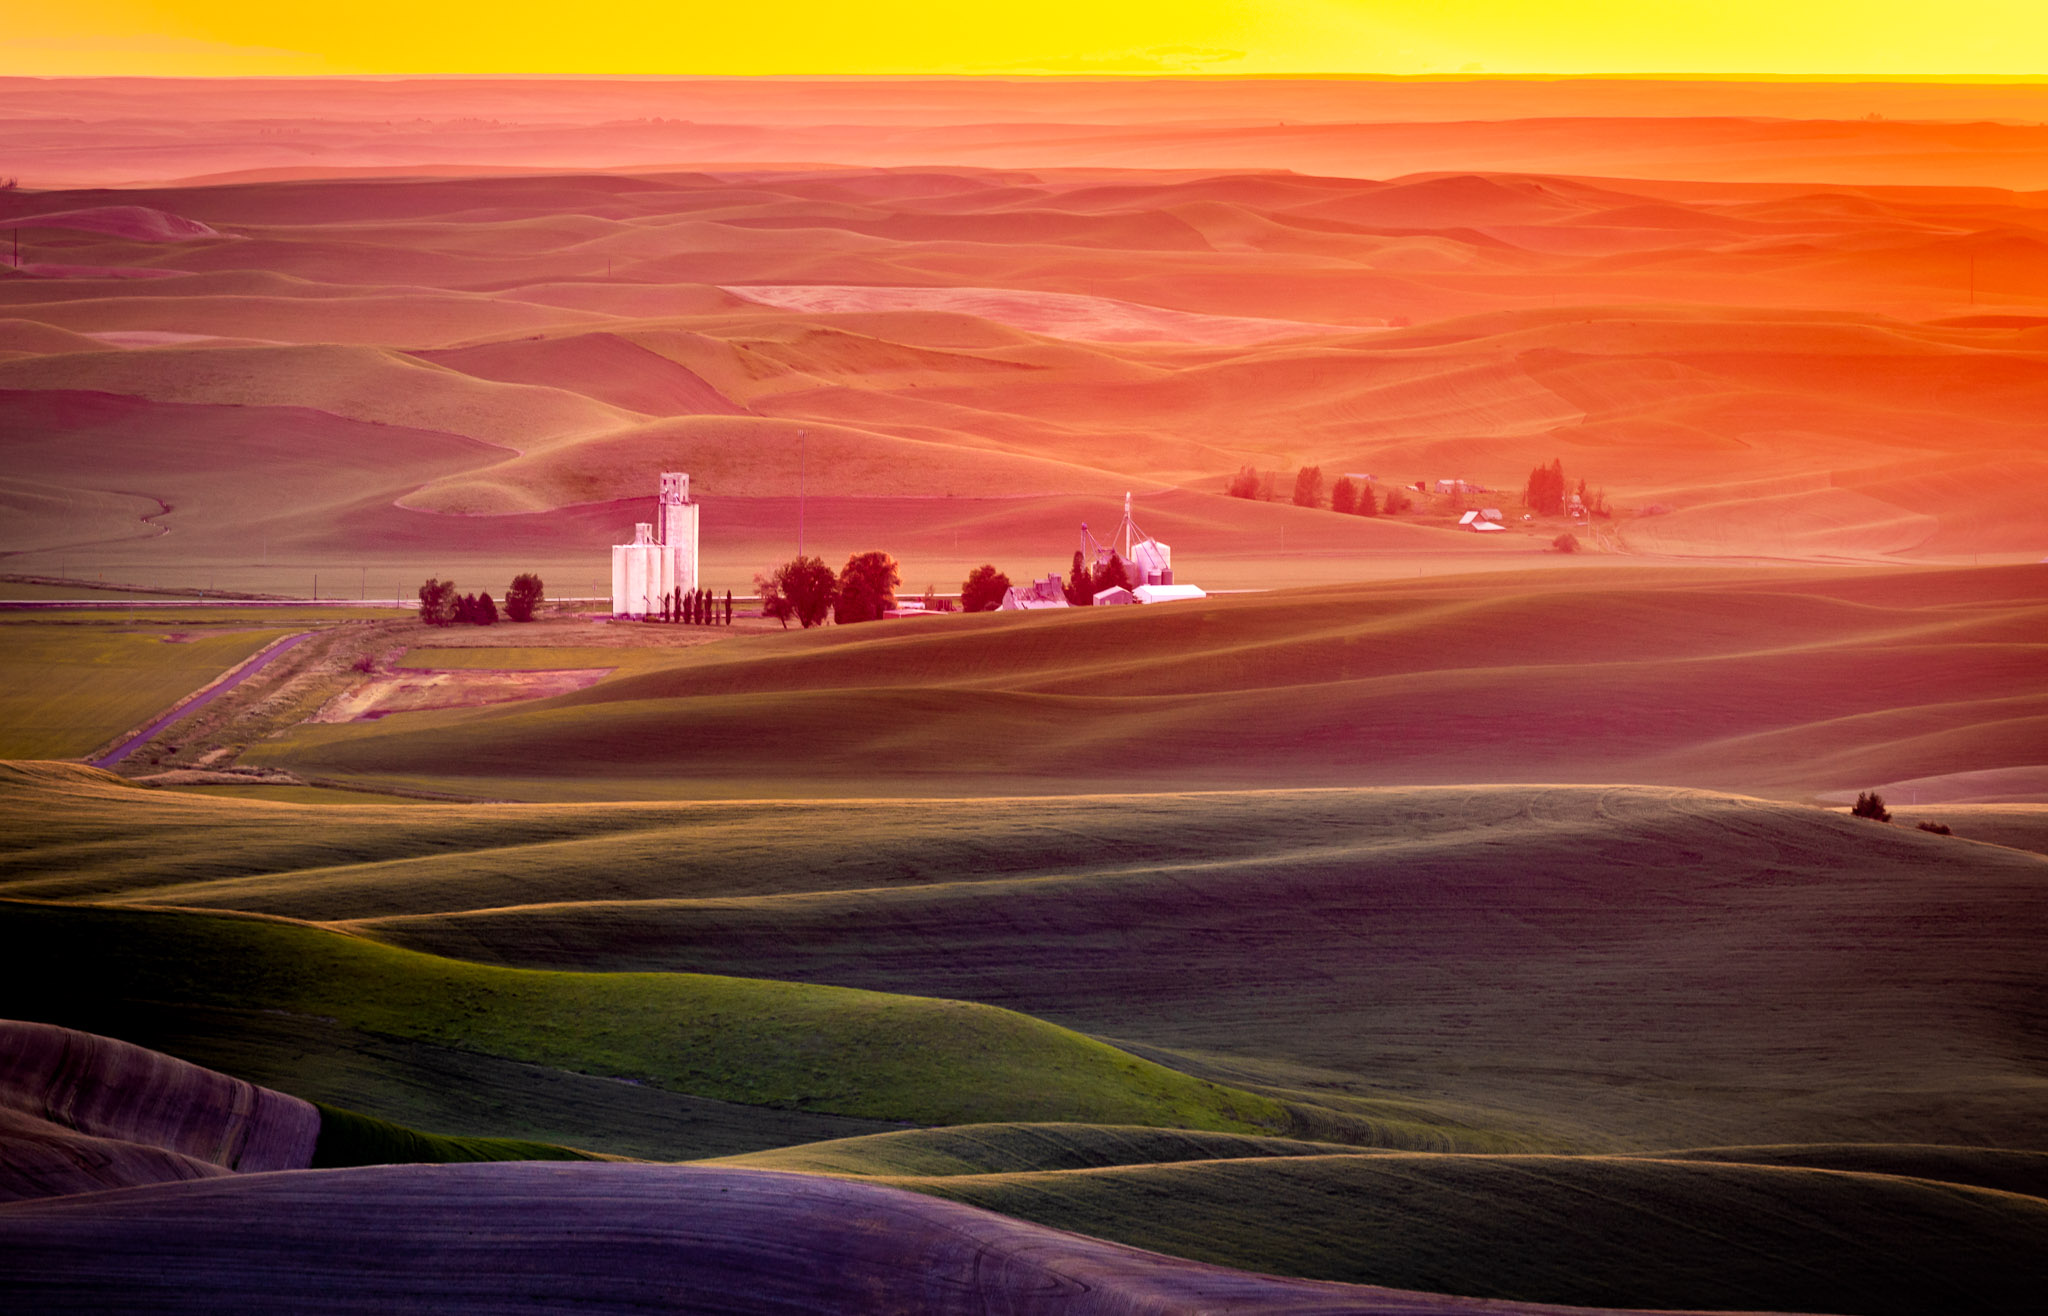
(1595, 1044)
(67, 688)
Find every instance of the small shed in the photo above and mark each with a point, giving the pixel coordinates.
(1114, 596)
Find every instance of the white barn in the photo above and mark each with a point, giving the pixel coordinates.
(662, 559)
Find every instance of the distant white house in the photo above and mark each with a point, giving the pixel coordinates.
(1490, 513)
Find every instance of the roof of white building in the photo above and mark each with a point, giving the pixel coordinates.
(1168, 593)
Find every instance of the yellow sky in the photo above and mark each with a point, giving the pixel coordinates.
(213, 37)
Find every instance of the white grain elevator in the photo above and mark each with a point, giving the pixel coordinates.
(662, 559)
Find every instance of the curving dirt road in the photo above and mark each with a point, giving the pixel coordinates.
(249, 668)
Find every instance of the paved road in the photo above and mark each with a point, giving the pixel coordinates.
(248, 669)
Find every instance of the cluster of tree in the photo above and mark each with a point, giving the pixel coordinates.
(983, 589)
(806, 589)
(696, 607)
(1869, 804)
(1348, 497)
(440, 605)
(1546, 492)
(1084, 582)
(1353, 498)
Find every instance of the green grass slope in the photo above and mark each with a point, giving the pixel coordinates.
(754, 1042)
(1585, 1231)
(349, 1137)
(1621, 968)
(1998, 1168)
(67, 688)
(980, 1149)
(1491, 969)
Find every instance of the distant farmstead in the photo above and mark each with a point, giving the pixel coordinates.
(1148, 564)
(1047, 593)
(660, 565)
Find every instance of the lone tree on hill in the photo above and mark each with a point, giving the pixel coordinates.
(983, 590)
(801, 588)
(1308, 487)
(1870, 804)
(437, 602)
(524, 597)
(1244, 484)
(1344, 496)
(867, 588)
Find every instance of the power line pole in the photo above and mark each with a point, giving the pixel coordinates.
(800, 493)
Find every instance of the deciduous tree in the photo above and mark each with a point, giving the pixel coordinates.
(801, 588)
(524, 598)
(437, 602)
(867, 588)
(1308, 487)
(983, 590)
(1244, 484)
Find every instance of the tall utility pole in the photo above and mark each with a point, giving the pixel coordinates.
(799, 493)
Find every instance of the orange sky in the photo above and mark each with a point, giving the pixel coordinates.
(221, 37)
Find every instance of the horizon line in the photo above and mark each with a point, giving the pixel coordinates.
(1021, 75)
